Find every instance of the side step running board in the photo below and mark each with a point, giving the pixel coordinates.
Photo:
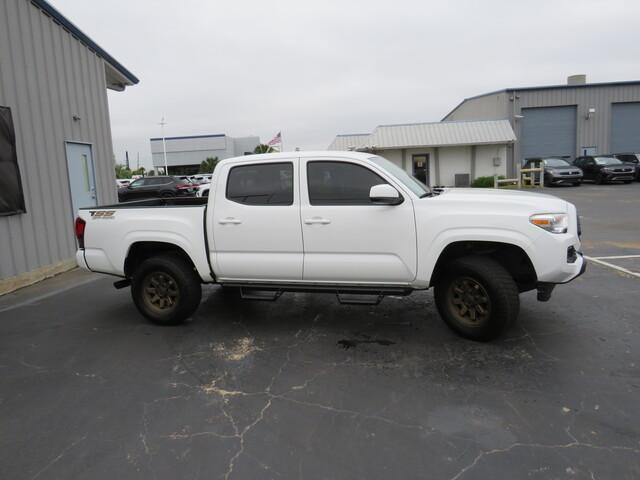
(265, 295)
(358, 299)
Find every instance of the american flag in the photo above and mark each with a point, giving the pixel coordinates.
(275, 140)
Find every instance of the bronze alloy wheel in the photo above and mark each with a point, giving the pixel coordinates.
(160, 291)
(469, 301)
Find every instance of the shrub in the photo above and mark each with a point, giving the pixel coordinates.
(485, 182)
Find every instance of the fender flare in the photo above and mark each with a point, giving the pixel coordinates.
(448, 237)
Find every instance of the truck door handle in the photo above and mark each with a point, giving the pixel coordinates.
(320, 220)
(224, 221)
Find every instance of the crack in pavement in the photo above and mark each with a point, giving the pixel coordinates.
(58, 457)
(575, 443)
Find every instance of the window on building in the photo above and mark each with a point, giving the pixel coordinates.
(11, 194)
(263, 184)
(340, 183)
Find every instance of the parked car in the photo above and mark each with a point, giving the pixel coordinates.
(557, 171)
(200, 179)
(122, 182)
(630, 158)
(369, 228)
(150, 187)
(605, 169)
(203, 190)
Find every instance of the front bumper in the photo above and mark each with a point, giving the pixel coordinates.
(545, 289)
(583, 267)
(619, 177)
(559, 179)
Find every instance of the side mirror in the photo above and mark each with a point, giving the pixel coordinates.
(385, 194)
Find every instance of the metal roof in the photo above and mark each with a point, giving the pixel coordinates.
(434, 134)
(214, 135)
(349, 142)
(80, 35)
(545, 87)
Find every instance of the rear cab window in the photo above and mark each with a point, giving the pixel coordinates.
(261, 184)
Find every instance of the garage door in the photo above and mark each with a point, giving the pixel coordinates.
(625, 127)
(548, 131)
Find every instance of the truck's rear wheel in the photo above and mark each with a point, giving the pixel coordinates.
(166, 290)
(477, 297)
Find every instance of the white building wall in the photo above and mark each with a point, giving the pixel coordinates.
(453, 160)
(395, 156)
(484, 160)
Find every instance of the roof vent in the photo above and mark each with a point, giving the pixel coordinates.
(579, 79)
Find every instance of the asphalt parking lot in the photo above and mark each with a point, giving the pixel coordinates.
(306, 388)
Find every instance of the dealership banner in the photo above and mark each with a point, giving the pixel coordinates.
(11, 197)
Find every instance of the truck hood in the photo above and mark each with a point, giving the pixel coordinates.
(498, 199)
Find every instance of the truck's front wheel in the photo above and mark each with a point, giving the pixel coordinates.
(165, 289)
(477, 297)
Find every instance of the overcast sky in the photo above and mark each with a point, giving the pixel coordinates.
(316, 69)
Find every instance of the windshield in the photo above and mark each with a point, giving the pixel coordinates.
(555, 162)
(607, 161)
(413, 184)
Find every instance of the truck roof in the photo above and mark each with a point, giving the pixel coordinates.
(290, 155)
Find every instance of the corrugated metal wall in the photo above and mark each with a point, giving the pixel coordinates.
(594, 131)
(46, 77)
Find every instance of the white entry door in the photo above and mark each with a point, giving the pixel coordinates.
(256, 223)
(347, 238)
(82, 181)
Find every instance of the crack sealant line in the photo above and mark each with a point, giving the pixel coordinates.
(614, 267)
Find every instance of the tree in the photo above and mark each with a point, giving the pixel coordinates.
(209, 165)
(139, 171)
(122, 171)
(263, 148)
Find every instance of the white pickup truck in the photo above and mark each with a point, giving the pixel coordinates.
(348, 223)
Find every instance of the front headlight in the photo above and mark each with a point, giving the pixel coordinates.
(551, 222)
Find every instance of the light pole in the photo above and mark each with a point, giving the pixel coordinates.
(164, 147)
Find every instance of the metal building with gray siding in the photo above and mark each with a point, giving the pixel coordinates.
(54, 80)
(186, 153)
(574, 119)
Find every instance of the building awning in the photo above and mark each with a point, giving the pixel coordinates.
(434, 134)
(116, 75)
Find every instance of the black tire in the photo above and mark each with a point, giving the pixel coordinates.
(167, 194)
(600, 180)
(488, 287)
(166, 289)
(577, 184)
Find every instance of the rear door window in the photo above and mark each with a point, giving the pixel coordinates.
(261, 184)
